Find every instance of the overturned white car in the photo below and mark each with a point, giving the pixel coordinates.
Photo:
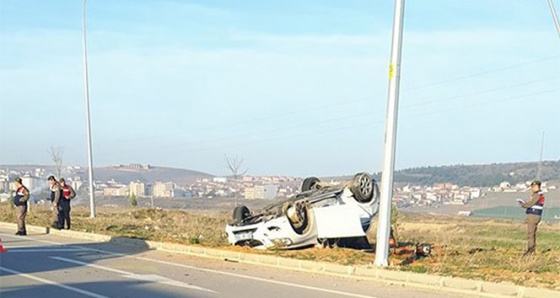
(319, 213)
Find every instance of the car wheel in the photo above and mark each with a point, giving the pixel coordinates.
(362, 187)
(240, 213)
(298, 216)
(310, 183)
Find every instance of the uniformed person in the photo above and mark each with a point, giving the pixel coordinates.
(20, 201)
(56, 194)
(534, 208)
(68, 194)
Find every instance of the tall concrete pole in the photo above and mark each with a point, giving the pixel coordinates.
(88, 118)
(539, 168)
(554, 16)
(384, 218)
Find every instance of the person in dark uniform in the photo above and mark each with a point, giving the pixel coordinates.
(20, 201)
(56, 194)
(534, 208)
(68, 194)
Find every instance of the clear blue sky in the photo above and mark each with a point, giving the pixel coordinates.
(292, 87)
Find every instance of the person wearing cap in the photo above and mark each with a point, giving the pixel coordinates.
(56, 193)
(534, 208)
(68, 194)
(20, 201)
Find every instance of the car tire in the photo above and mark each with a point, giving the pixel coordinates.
(310, 183)
(240, 213)
(363, 187)
(298, 216)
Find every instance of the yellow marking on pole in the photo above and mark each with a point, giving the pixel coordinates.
(391, 71)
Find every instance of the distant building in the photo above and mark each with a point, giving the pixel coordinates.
(32, 183)
(137, 188)
(163, 189)
(464, 213)
(269, 191)
(77, 184)
(220, 179)
(4, 183)
(116, 191)
(475, 193)
(505, 185)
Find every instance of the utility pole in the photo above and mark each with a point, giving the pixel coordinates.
(554, 16)
(88, 118)
(539, 168)
(384, 218)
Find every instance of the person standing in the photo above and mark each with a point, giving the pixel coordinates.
(20, 201)
(56, 193)
(68, 194)
(534, 208)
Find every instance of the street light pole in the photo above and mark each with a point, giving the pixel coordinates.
(88, 118)
(554, 16)
(384, 219)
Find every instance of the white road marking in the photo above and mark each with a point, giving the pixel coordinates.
(54, 283)
(145, 277)
(233, 275)
(21, 249)
(288, 284)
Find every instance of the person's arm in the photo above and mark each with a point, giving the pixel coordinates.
(56, 195)
(72, 193)
(534, 198)
(25, 195)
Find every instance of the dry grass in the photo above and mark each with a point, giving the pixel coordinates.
(463, 247)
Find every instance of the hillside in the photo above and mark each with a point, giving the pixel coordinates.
(479, 175)
(122, 174)
(164, 174)
(470, 175)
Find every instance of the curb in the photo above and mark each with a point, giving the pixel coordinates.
(419, 280)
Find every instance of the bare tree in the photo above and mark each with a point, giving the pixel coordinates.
(56, 154)
(234, 165)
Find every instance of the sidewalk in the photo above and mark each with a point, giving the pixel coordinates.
(419, 280)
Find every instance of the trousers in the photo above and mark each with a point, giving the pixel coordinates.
(21, 212)
(532, 221)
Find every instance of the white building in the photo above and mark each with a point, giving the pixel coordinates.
(32, 183)
(163, 189)
(137, 188)
(77, 184)
(267, 192)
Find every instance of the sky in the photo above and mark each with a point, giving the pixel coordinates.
(289, 87)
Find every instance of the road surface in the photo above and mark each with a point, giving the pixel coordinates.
(40, 266)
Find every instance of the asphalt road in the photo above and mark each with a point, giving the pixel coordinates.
(42, 266)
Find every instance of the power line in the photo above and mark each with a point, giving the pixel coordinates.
(347, 102)
(369, 123)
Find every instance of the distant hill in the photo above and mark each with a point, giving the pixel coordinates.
(471, 175)
(479, 175)
(126, 175)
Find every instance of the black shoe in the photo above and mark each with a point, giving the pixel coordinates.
(18, 233)
(21, 233)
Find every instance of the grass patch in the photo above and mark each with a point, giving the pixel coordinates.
(479, 249)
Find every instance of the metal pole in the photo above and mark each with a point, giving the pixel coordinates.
(384, 220)
(554, 16)
(88, 124)
(539, 168)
